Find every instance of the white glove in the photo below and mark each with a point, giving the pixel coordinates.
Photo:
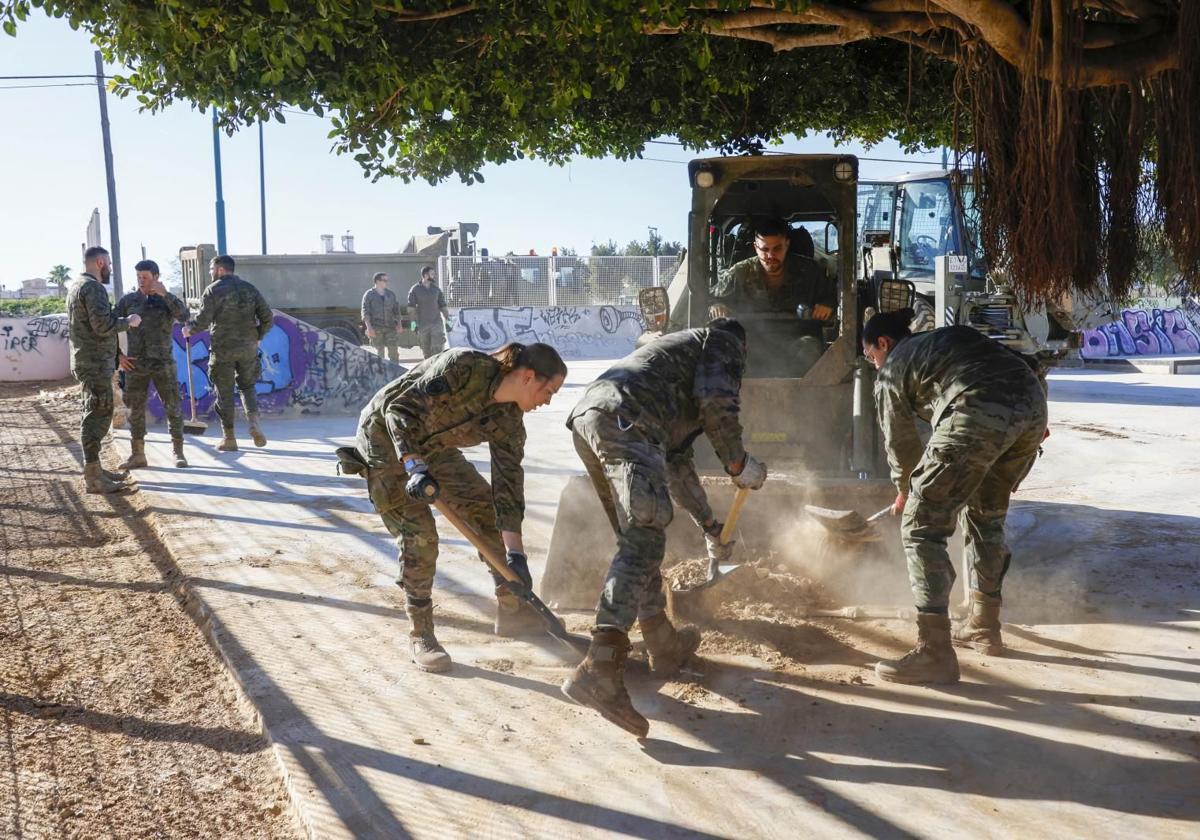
(753, 474)
(718, 552)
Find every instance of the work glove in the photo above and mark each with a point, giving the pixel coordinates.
(752, 475)
(412, 325)
(421, 485)
(519, 563)
(718, 552)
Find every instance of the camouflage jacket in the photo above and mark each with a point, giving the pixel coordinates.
(958, 366)
(429, 304)
(744, 286)
(94, 326)
(151, 341)
(446, 402)
(381, 311)
(675, 388)
(237, 313)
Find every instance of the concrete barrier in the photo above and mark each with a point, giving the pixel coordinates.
(577, 332)
(304, 371)
(34, 347)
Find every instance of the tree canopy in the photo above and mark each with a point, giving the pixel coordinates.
(1083, 113)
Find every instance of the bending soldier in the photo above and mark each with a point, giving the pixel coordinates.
(411, 434)
(633, 428)
(987, 407)
(240, 318)
(93, 327)
(151, 358)
(381, 317)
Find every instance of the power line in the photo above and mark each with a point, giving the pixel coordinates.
(58, 85)
(59, 76)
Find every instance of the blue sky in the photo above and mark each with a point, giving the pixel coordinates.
(53, 175)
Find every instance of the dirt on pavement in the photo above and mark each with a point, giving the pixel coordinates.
(116, 717)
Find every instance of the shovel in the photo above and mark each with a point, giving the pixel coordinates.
(554, 625)
(193, 426)
(848, 524)
(714, 569)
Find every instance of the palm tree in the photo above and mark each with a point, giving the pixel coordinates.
(60, 275)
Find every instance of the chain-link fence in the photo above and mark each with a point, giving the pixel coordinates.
(551, 281)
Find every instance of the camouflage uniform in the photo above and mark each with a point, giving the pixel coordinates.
(743, 286)
(433, 410)
(988, 412)
(430, 306)
(381, 312)
(240, 318)
(94, 327)
(151, 348)
(633, 428)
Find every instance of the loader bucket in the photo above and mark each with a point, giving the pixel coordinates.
(582, 544)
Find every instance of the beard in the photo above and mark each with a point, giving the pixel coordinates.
(105, 274)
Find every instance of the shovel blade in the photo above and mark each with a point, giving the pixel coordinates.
(838, 521)
(194, 427)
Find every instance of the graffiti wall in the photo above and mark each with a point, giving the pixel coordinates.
(34, 348)
(577, 332)
(304, 371)
(1146, 332)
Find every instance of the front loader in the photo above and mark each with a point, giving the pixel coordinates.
(812, 422)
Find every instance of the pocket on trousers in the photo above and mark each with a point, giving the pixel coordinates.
(386, 489)
(645, 500)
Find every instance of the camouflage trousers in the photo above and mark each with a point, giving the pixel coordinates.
(96, 395)
(227, 368)
(137, 390)
(411, 522)
(387, 341)
(432, 340)
(635, 483)
(977, 456)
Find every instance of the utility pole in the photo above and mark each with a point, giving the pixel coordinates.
(221, 249)
(110, 178)
(262, 188)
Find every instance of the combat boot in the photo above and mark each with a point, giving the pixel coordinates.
(256, 431)
(514, 617)
(427, 654)
(666, 647)
(228, 442)
(137, 455)
(118, 476)
(931, 661)
(599, 682)
(177, 445)
(94, 481)
(981, 629)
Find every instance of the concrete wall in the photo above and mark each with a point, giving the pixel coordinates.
(34, 347)
(304, 371)
(1146, 332)
(577, 332)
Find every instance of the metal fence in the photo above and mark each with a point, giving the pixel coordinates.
(551, 281)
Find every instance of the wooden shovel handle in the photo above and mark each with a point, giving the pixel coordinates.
(497, 565)
(735, 511)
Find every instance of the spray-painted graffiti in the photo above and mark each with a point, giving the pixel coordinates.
(34, 348)
(1142, 332)
(578, 332)
(304, 370)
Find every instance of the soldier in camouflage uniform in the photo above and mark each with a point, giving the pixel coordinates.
(411, 434)
(425, 300)
(633, 428)
(240, 318)
(94, 327)
(151, 358)
(987, 407)
(381, 317)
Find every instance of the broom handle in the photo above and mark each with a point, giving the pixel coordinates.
(735, 511)
(187, 346)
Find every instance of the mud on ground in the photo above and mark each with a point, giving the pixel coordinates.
(116, 718)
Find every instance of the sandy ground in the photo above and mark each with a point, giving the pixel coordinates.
(116, 718)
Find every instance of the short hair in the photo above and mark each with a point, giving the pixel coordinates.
(225, 261)
(379, 275)
(895, 325)
(95, 251)
(427, 269)
(731, 326)
(147, 265)
(771, 227)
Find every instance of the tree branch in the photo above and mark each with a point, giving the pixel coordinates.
(412, 17)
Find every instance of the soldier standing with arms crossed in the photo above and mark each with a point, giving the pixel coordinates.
(633, 429)
(381, 317)
(94, 327)
(987, 407)
(432, 313)
(151, 358)
(240, 318)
